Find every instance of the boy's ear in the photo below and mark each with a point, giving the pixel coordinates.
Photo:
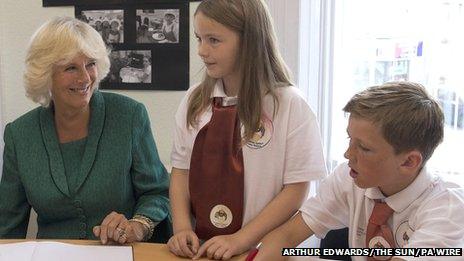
(412, 160)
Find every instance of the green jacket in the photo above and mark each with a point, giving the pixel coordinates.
(120, 171)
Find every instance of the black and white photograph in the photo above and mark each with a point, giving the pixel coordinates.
(157, 25)
(109, 23)
(130, 66)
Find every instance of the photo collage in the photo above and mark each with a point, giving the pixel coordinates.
(148, 43)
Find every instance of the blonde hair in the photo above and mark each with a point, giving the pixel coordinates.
(261, 66)
(407, 115)
(57, 42)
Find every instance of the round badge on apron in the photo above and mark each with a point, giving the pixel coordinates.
(221, 216)
(379, 242)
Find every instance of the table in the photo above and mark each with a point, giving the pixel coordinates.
(142, 251)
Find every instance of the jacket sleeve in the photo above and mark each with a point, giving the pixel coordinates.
(149, 176)
(14, 207)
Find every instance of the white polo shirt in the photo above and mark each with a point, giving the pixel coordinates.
(428, 213)
(287, 149)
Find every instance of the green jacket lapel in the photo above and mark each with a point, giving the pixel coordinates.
(47, 126)
(97, 119)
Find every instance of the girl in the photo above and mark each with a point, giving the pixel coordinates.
(246, 145)
(170, 28)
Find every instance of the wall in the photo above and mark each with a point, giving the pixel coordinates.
(1, 87)
(286, 16)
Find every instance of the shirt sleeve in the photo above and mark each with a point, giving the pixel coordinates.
(182, 143)
(14, 207)
(304, 158)
(439, 222)
(329, 209)
(149, 176)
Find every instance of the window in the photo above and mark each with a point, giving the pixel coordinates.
(354, 44)
(391, 40)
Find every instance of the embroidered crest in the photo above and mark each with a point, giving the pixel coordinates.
(379, 242)
(403, 233)
(220, 216)
(263, 135)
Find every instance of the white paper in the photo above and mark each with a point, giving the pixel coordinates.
(17, 251)
(56, 251)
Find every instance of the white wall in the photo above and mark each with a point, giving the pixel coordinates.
(1, 88)
(286, 16)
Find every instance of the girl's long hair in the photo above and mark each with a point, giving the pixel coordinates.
(261, 66)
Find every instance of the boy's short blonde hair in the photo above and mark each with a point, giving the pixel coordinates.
(57, 42)
(407, 115)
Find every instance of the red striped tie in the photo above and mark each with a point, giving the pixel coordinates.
(379, 234)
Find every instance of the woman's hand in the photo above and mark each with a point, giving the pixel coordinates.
(184, 243)
(116, 228)
(223, 247)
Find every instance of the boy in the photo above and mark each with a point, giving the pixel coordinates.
(393, 131)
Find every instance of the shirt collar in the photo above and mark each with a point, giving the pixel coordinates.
(401, 200)
(218, 91)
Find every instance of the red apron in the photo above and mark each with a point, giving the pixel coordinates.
(216, 174)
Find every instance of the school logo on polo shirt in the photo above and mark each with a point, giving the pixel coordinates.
(220, 216)
(403, 233)
(263, 135)
(379, 242)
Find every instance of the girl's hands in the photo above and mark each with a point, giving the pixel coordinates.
(222, 247)
(184, 243)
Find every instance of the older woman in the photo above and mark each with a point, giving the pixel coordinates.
(85, 160)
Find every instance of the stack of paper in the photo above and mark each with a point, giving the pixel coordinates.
(55, 251)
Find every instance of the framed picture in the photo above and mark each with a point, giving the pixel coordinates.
(149, 43)
(109, 23)
(157, 26)
(130, 66)
(47, 3)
